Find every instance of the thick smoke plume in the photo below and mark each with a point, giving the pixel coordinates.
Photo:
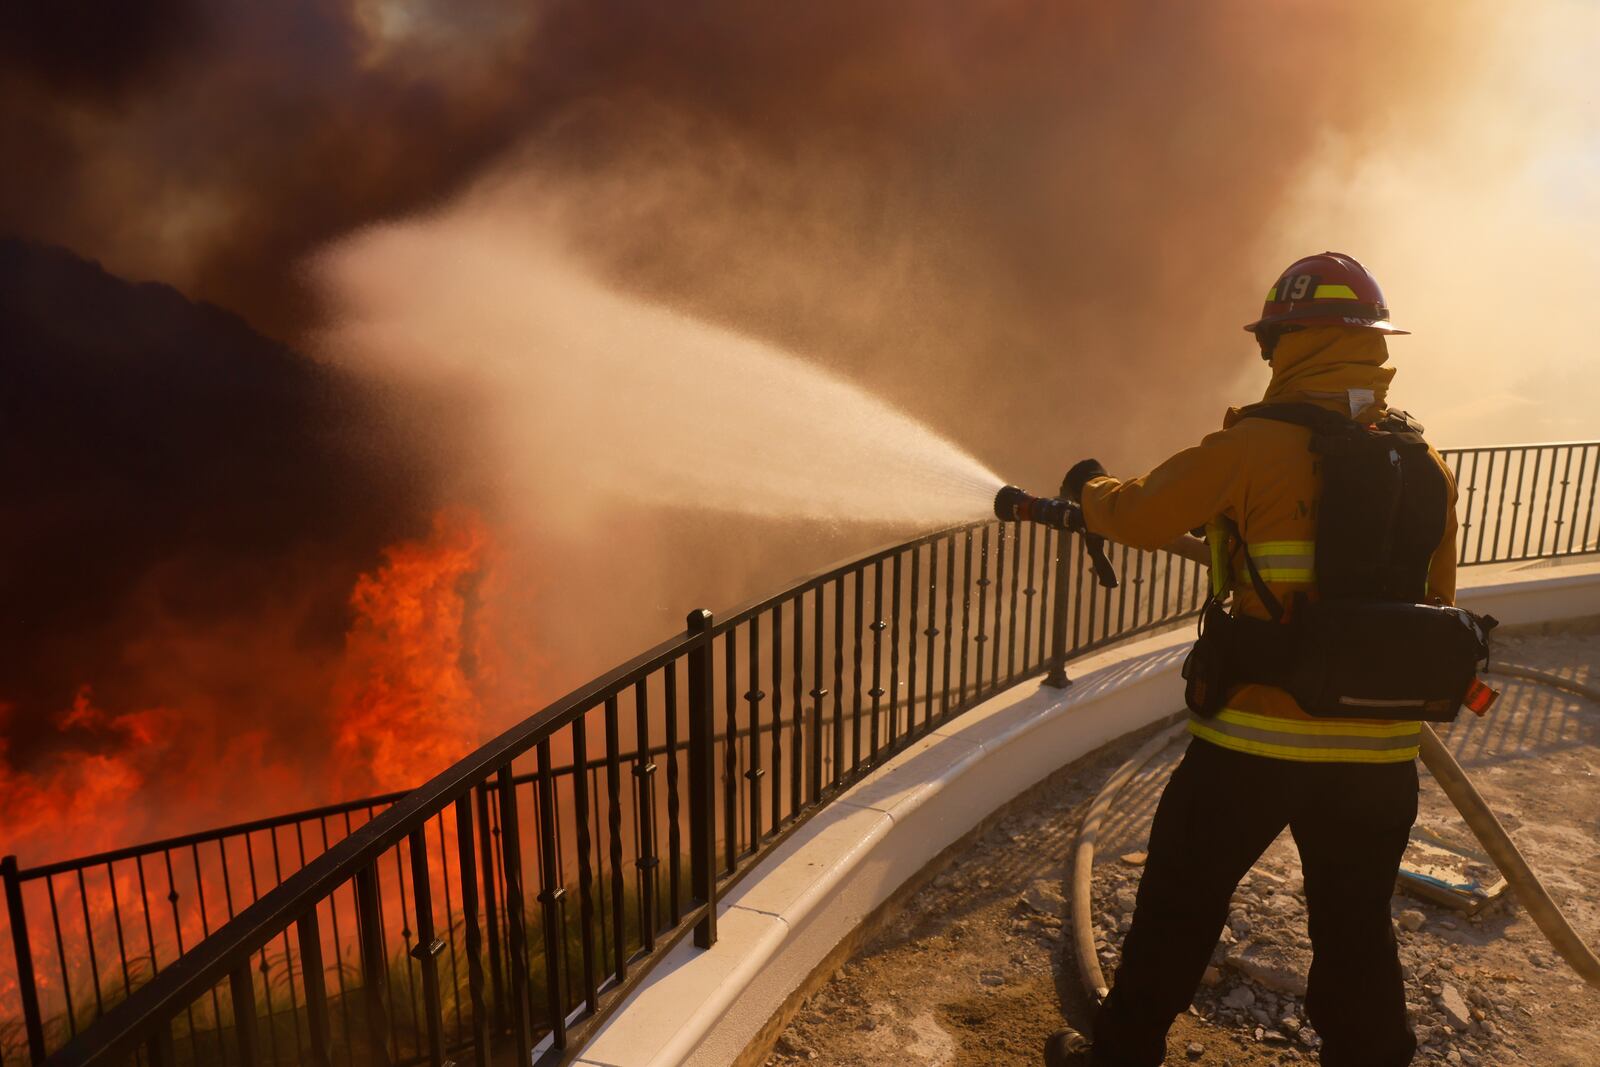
(190, 510)
(1024, 203)
(1033, 226)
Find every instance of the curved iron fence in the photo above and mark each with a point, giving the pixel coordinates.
(513, 901)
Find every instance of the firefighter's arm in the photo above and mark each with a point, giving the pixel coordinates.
(1188, 490)
(1442, 567)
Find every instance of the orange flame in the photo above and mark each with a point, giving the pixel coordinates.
(405, 706)
(82, 792)
(402, 702)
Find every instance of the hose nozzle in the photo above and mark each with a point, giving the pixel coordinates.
(1014, 505)
(1011, 504)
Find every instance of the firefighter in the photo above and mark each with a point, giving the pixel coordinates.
(1346, 788)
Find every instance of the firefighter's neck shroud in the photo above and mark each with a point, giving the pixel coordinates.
(1370, 645)
(1336, 366)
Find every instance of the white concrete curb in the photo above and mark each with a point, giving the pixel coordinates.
(704, 1007)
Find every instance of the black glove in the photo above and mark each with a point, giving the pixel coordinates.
(1072, 485)
(1073, 520)
(1061, 514)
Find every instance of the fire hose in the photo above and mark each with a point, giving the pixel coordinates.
(1012, 503)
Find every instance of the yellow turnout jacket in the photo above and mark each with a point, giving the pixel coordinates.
(1261, 474)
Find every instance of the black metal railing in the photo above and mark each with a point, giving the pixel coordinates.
(514, 900)
(1522, 502)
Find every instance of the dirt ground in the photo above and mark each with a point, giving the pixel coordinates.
(975, 969)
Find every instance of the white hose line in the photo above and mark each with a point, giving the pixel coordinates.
(1556, 681)
(1094, 980)
(1486, 827)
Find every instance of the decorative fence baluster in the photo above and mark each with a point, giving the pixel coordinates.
(876, 692)
(374, 968)
(966, 619)
(511, 864)
(797, 706)
(428, 947)
(837, 773)
(753, 696)
(894, 653)
(817, 693)
(619, 927)
(702, 742)
(17, 917)
(931, 633)
(777, 719)
(243, 996)
(313, 976)
(730, 753)
(914, 638)
(999, 590)
(550, 897)
(644, 770)
(1011, 623)
(949, 620)
(674, 804)
(466, 858)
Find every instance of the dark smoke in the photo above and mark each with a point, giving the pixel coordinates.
(1034, 224)
(90, 51)
(1028, 171)
(170, 472)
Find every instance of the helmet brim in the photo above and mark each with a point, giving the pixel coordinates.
(1380, 325)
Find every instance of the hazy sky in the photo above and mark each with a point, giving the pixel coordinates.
(1065, 195)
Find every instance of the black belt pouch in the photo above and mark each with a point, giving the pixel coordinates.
(1386, 660)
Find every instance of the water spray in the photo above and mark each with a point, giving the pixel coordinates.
(1016, 505)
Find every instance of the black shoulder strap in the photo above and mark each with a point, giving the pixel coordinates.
(1314, 418)
(1268, 599)
(1395, 421)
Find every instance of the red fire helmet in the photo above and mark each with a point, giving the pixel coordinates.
(1327, 289)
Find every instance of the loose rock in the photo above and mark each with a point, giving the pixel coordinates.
(1275, 966)
(1454, 1008)
(1044, 897)
(790, 1047)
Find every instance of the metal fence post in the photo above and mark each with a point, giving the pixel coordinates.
(1058, 614)
(33, 1021)
(702, 785)
(374, 977)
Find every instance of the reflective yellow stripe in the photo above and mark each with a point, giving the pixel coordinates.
(1323, 727)
(1286, 574)
(1322, 292)
(1217, 540)
(1283, 561)
(1310, 741)
(1302, 755)
(1283, 548)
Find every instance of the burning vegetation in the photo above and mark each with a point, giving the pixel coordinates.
(236, 593)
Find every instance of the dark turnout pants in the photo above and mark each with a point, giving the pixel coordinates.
(1218, 814)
